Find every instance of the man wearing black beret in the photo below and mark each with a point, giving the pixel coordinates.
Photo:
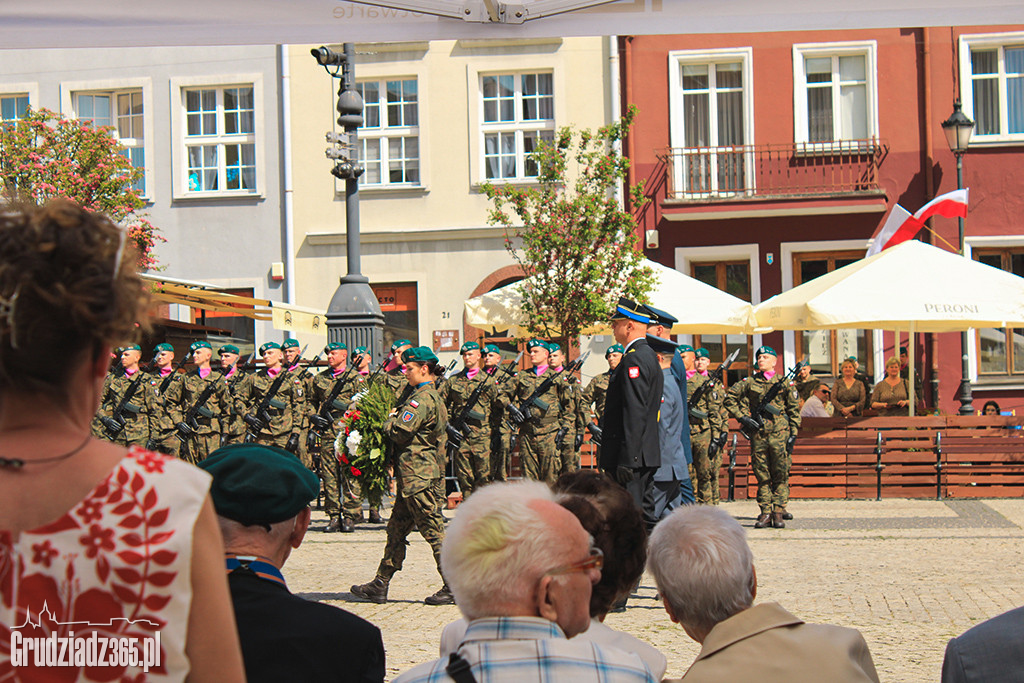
(262, 494)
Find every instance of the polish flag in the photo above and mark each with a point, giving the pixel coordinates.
(950, 205)
(899, 227)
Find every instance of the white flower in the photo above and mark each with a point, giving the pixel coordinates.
(352, 442)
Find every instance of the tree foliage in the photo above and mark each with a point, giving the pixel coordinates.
(578, 248)
(44, 156)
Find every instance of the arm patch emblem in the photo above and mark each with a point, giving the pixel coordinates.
(634, 372)
(407, 416)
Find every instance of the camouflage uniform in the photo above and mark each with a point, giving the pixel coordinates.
(232, 425)
(283, 408)
(165, 412)
(501, 435)
(473, 458)
(417, 429)
(135, 413)
(705, 423)
(592, 403)
(570, 457)
(770, 460)
(719, 425)
(209, 417)
(303, 409)
(344, 499)
(538, 454)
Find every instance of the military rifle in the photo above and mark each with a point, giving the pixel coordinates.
(115, 423)
(444, 373)
(457, 428)
(174, 371)
(751, 424)
(187, 428)
(321, 421)
(713, 377)
(259, 418)
(522, 412)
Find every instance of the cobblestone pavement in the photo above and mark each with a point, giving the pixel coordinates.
(910, 574)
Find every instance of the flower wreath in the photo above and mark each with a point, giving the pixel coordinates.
(360, 445)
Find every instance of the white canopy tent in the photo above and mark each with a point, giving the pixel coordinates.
(120, 23)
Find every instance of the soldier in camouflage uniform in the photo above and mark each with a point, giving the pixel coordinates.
(541, 421)
(594, 395)
(770, 458)
(719, 425)
(417, 428)
(569, 445)
(231, 424)
(283, 405)
(342, 497)
(501, 432)
(290, 348)
(395, 376)
(704, 424)
(202, 432)
(135, 414)
(164, 386)
(473, 458)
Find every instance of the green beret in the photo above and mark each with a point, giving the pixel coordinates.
(335, 346)
(685, 348)
(269, 345)
(491, 348)
(290, 343)
(534, 343)
(703, 353)
(399, 343)
(614, 348)
(419, 354)
(163, 347)
(469, 346)
(359, 350)
(200, 345)
(132, 347)
(229, 348)
(255, 484)
(552, 347)
(765, 350)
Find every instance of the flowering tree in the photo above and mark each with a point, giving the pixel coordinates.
(45, 156)
(579, 249)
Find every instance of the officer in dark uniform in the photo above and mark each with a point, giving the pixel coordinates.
(630, 451)
(262, 497)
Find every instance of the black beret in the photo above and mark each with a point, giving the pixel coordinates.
(255, 484)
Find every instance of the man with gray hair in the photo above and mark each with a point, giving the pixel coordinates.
(705, 574)
(521, 568)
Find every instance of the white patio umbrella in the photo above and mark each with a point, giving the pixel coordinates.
(701, 308)
(912, 286)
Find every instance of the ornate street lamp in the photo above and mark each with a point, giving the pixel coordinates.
(958, 129)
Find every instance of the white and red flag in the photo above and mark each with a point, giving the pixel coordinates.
(901, 225)
(950, 205)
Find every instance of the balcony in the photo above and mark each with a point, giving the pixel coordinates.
(773, 171)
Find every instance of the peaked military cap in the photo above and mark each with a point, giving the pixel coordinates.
(631, 310)
(163, 347)
(290, 343)
(762, 350)
(419, 354)
(269, 345)
(660, 317)
(201, 344)
(229, 348)
(614, 348)
(491, 348)
(399, 343)
(335, 346)
(660, 345)
(469, 346)
(254, 484)
(703, 353)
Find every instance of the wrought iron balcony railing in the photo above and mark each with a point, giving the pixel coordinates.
(770, 171)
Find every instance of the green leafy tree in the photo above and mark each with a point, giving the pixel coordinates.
(44, 156)
(578, 248)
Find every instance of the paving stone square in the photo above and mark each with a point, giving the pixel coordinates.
(910, 574)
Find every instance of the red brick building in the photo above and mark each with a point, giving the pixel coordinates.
(771, 158)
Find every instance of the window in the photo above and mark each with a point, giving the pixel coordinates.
(1001, 350)
(825, 350)
(732, 277)
(220, 139)
(398, 304)
(711, 113)
(835, 93)
(389, 137)
(993, 91)
(518, 110)
(13, 107)
(122, 111)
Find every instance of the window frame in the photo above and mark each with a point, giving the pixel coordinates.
(518, 127)
(801, 124)
(1004, 251)
(179, 87)
(998, 41)
(69, 106)
(386, 132)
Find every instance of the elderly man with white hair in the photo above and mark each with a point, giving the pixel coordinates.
(521, 568)
(705, 574)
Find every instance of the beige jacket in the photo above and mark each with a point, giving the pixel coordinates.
(767, 644)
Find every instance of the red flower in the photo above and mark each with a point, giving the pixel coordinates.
(90, 510)
(151, 462)
(98, 538)
(43, 552)
(356, 472)
(341, 456)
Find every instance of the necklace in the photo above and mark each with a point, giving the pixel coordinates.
(18, 463)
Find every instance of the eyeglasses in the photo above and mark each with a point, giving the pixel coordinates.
(594, 561)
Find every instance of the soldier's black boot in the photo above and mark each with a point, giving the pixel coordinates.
(375, 591)
(777, 521)
(375, 517)
(333, 526)
(786, 514)
(764, 520)
(347, 526)
(442, 597)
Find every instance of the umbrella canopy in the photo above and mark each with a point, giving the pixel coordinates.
(914, 282)
(701, 308)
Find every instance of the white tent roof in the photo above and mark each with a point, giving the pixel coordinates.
(116, 23)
